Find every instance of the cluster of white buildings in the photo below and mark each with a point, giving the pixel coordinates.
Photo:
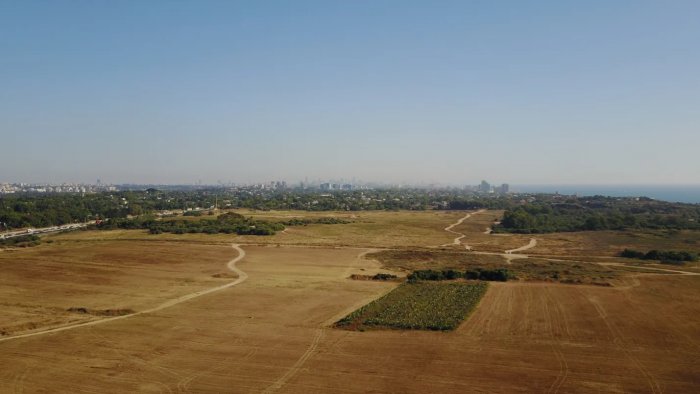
(12, 188)
(335, 186)
(485, 187)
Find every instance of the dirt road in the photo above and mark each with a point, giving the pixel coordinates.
(530, 245)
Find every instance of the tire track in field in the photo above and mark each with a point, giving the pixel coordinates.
(138, 360)
(297, 365)
(358, 262)
(183, 386)
(479, 316)
(242, 277)
(618, 340)
(551, 319)
(501, 298)
(18, 381)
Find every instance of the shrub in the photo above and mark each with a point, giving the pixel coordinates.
(499, 275)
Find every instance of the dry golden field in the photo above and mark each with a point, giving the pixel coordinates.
(184, 330)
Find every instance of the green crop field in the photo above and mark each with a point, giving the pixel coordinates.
(419, 306)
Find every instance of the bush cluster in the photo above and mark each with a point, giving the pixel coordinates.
(304, 222)
(498, 275)
(381, 276)
(24, 241)
(661, 255)
(598, 213)
(229, 223)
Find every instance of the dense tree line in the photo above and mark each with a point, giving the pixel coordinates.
(20, 242)
(524, 213)
(229, 223)
(499, 275)
(598, 213)
(55, 210)
(44, 210)
(660, 255)
(307, 221)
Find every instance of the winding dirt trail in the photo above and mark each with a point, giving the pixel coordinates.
(458, 240)
(242, 276)
(532, 244)
(508, 254)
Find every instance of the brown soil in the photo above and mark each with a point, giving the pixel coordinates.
(271, 332)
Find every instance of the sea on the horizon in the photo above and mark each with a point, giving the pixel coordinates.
(672, 193)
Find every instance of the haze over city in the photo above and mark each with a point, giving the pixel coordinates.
(391, 91)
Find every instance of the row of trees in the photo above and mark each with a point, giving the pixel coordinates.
(533, 214)
(305, 221)
(20, 242)
(229, 223)
(42, 210)
(499, 275)
(599, 213)
(660, 255)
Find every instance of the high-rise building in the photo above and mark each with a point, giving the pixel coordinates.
(484, 187)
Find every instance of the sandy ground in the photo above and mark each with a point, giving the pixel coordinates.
(533, 338)
(271, 332)
(243, 338)
(38, 285)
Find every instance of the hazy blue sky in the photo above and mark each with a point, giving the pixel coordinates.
(511, 91)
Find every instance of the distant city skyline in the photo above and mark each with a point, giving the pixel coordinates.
(542, 92)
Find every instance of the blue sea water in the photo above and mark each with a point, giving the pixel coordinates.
(672, 193)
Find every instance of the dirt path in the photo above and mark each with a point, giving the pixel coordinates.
(651, 269)
(358, 262)
(242, 276)
(530, 245)
(458, 240)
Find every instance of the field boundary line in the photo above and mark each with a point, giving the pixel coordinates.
(554, 344)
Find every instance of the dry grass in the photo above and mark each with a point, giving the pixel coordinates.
(38, 285)
(530, 269)
(532, 337)
(611, 243)
(270, 332)
(368, 229)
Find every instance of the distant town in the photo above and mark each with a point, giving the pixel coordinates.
(15, 188)
(98, 187)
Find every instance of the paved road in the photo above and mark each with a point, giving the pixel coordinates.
(45, 230)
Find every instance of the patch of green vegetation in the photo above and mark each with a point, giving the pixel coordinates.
(499, 275)
(419, 306)
(24, 241)
(307, 221)
(665, 256)
(101, 312)
(598, 213)
(530, 269)
(229, 223)
(378, 277)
